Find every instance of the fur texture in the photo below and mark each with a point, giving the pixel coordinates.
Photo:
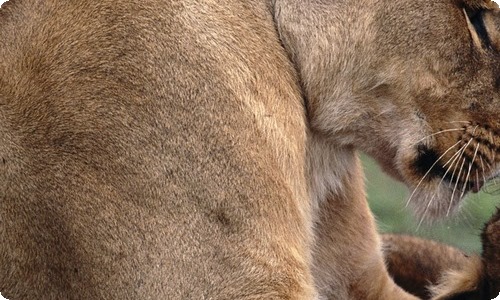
(436, 271)
(417, 264)
(207, 149)
(479, 278)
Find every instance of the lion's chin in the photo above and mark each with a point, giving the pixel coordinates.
(436, 200)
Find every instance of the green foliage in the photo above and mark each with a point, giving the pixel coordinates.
(387, 200)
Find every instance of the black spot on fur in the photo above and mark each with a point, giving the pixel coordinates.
(497, 83)
(426, 159)
(474, 106)
(223, 218)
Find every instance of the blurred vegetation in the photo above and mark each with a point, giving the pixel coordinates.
(387, 199)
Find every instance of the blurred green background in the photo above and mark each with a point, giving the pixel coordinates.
(387, 199)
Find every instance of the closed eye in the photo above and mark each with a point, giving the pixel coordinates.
(477, 28)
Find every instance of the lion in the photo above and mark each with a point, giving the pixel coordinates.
(433, 270)
(207, 149)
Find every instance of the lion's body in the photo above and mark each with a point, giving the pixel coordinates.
(180, 149)
(124, 178)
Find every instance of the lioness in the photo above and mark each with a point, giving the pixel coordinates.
(206, 149)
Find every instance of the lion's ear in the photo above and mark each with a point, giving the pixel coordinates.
(484, 27)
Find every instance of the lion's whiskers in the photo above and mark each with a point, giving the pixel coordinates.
(456, 183)
(459, 153)
(477, 180)
(468, 172)
(426, 209)
(450, 161)
(460, 172)
(482, 168)
(427, 173)
(466, 122)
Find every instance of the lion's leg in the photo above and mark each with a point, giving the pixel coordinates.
(351, 254)
(416, 263)
(433, 270)
(475, 277)
(348, 261)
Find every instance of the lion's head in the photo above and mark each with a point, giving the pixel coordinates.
(414, 83)
(450, 86)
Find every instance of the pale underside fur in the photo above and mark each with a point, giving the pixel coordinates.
(207, 149)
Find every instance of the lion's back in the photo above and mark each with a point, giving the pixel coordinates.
(135, 159)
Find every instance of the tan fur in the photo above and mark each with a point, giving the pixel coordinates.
(436, 271)
(416, 264)
(479, 277)
(207, 149)
(459, 281)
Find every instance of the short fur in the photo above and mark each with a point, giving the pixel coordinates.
(436, 271)
(417, 264)
(206, 149)
(491, 254)
(478, 278)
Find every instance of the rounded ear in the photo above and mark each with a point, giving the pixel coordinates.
(491, 19)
